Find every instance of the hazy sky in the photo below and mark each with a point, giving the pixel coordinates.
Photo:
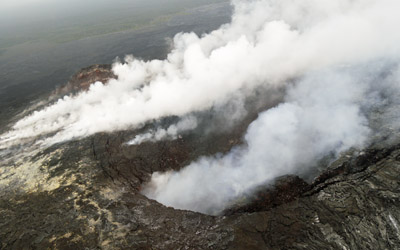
(31, 19)
(10, 4)
(47, 9)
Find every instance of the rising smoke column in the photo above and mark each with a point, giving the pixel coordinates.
(171, 133)
(266, 43)
(323, 115)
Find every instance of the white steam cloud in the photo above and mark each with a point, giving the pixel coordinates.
(322, 115)
(172, 132)
(267, 42)
(329, 48)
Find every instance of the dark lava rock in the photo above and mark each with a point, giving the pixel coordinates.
(284, 190)
(84, 194)
(85, 77)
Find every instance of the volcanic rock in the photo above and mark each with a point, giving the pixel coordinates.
(85, 77)
(85, 194)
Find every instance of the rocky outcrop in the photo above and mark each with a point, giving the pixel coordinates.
(85, 77)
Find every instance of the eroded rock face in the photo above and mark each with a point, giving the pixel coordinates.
(86, 195)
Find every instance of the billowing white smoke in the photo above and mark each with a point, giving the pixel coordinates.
(267, 42)
(322, 115)
(172, 132)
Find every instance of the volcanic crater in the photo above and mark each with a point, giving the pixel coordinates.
(87, 196)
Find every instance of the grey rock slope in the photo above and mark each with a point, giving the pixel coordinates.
(85, 194)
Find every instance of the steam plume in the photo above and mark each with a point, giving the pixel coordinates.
(267, 42)
(342, 54)
(323, 114)
(187, 123)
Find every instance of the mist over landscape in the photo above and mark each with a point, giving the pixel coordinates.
(43, 43)
(197, 116)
